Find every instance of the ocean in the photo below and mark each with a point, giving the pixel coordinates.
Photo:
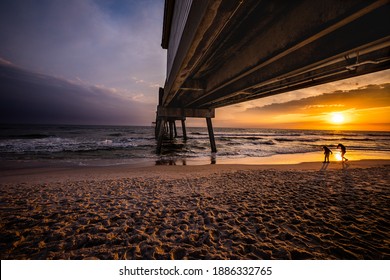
(112, 145)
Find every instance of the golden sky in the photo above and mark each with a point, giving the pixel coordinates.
(360, 103)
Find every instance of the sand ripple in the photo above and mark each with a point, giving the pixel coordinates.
(264, 214)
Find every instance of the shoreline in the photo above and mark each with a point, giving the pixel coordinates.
(49, 171)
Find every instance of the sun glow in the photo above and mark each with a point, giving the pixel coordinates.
(338, 156)
(337, 118)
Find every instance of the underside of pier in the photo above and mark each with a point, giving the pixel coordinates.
(223, 52)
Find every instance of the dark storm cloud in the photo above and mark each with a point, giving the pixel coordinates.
(370, 96)
(28, 97)
(110, 47)
(102, 42)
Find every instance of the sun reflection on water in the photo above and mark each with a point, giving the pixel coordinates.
(338, 156)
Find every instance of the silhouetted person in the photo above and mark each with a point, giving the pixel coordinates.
(343, 151)
(327, 152)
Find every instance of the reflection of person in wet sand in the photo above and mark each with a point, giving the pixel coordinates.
(343, 151)
(327, 152)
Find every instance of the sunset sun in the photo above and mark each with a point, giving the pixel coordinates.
(337, 118)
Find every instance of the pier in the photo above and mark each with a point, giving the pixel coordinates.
(223, 52)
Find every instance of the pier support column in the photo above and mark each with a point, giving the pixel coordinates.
(166, 117)
(157, 128)
(174, 128)
(166, 130)
(160, 137)
(183, 126)
(211, 135)
(171, 130)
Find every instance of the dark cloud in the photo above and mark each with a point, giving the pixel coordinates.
(110, 43)
(28, 97)
(103, 41)
(370, 96)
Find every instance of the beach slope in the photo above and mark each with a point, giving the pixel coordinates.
(302, 211)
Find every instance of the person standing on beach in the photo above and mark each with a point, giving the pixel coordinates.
(343, 151)
(327, 152)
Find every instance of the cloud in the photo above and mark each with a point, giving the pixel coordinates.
(363, 108)
(376, 78)
(28, 97)
(5, 62)
(369, 96)
(75, 60)
(101, 42)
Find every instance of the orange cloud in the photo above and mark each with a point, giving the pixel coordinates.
(363, 108)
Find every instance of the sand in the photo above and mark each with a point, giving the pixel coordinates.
(302, 211)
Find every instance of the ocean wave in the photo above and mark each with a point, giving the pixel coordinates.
(91, 142)
(253, 138)
(357, 139)
(257, 135)
(368, 148)
(269, 142)
(309, 140)
(29, 136)
(379, 134)
(233, 144)
(284, 140)
(224, 139)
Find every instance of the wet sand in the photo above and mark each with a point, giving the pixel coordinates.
(300, 211)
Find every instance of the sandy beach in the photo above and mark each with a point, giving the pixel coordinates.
(226, 211)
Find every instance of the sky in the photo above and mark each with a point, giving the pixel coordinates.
(101, 62)
(359, 103)
(87, 62)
